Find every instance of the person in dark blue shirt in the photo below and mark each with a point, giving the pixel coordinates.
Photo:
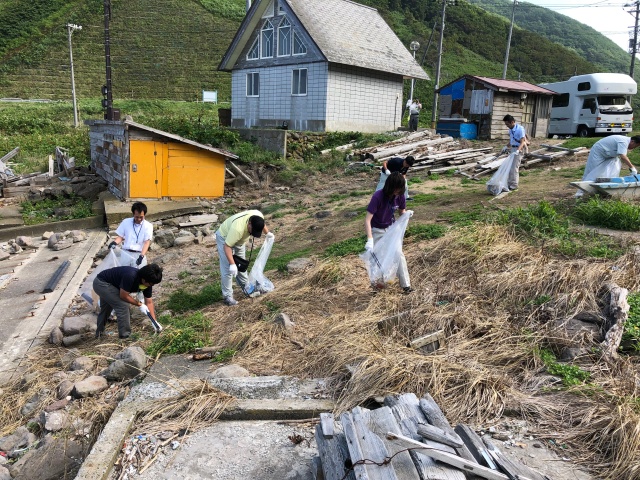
(115, 285)
(396, 164)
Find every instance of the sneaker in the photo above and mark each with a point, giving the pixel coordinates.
(406, 290)
(513, 188)
(229, 301)
(409, 199)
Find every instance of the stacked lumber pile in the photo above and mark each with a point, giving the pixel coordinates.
(408, 439)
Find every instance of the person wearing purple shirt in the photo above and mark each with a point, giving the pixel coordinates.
(381, 214)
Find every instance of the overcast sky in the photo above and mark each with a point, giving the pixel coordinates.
(608, 17)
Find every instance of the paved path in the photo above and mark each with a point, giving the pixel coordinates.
(27, 315)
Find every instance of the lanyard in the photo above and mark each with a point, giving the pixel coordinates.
(137, 234)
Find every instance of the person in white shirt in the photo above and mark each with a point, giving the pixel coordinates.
(414, 114)
(135, 234)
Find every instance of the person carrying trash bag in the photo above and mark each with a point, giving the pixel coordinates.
(135, 234)
(517, 146)
(115, 287)
(231, 238)
(381, 215)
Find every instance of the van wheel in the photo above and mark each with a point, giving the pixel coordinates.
(583, 131)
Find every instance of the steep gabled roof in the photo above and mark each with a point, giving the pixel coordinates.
(345, 32)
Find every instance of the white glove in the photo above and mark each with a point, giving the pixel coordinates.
(369, 245)
(233, 269)
(504, 150)
(270, 235)
(634, 171)
(387, 172)
(410, 212)
(144, 309)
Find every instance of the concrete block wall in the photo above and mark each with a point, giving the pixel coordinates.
(110, 154)
(269, 139)
(363, 100)
(275, 104)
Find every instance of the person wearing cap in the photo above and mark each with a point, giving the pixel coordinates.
(135, 234)
(115, 287)
(231, 237)
(396, 164)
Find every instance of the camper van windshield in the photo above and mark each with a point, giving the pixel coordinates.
(616, 104)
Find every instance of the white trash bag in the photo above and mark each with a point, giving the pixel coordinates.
(257, 281)
(115, 258)
(383, 261)
(500, 181)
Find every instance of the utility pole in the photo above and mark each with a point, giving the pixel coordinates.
(437, 86)
(70, 29)
(506, 55)
(634, 46)
(107, 102)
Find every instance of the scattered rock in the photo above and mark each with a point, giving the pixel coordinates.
(167, 257)
(284, 320)
(4, 473)
(56, 457)
(351, 214)
(78, 236)
(21, 438)
(72, 340)
(24, 241)
(14, 247)
(64, 389)
(55, 336)
(62, 244)
(53, 239)
(68, 357)
(54, 421)
(503, 437)
(57, 405)
(4, 255)
(27, 379)
(128, 364)
(46, 235)
(31, 406)
(164, 238)
(90, 386)
(82, 363)
(323, 214)
(83, 324)
(298, 265)
(230, 371)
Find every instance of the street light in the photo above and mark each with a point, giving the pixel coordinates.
(70, 29)
(413, 46)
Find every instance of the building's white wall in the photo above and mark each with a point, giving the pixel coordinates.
(275, 103)
(363, 100)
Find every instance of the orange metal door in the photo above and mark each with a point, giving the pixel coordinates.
(145, 168)
(193, 172)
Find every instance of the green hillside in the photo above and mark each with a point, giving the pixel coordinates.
(170, 49)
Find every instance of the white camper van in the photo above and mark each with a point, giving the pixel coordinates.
(593, 104)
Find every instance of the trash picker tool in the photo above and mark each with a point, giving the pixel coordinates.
(156, 326)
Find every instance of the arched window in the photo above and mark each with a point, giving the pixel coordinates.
(254, 51)
(284, 38)
(299, 48)
(266, 37)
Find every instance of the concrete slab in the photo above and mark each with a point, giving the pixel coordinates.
(28, 315)
(37, 230)
(116, 210)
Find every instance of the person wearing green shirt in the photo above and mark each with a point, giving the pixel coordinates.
(231, 238)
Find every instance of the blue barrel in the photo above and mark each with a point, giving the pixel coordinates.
(457, 129)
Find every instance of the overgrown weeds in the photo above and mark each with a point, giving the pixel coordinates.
(181, 335)
(53, 210)
(609, 213)
(182, 301)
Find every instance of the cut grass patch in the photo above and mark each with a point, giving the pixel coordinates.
(423, 198)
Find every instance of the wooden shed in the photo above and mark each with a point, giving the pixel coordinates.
(485, 101)
(140, 162)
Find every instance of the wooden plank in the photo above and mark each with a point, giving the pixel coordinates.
(240, 172)
(475, 446)
(333, 454)
(429, 343)
(318, 474)
(450, 459)
(555, 147)
(380, 421)
(435, 417)
(512, 468)
(10, 155)
(230, 173)
(387, 324)
(408, 415)
(373, 448)
(431, 432)
(51, 172)
(327, 424)
(353, 444)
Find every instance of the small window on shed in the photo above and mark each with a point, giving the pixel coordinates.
(254, 51)
(584, 86)
(266, 37)
(299, 48)
(561, 100)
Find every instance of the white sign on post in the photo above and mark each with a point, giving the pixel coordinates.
(210, 96)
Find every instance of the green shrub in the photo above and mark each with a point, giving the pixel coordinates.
(43, 211)
(351, 246)
(632, 325)
(181, 335)
(609, 213)
(425, 231)
(570, 374)
(182, 301)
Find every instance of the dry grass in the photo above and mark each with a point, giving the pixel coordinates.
(480, 285)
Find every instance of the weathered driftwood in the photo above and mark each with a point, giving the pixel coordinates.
(327, 425)
(387, 324)
(333, 453)
(386, 152)
(406, 410)
(364, 445)
(449, 458)
(434, 433)
(475, 446)
(618, 313)
(429, 343)
(239, 172)
(513, 469)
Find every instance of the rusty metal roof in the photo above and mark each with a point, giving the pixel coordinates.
(504, 85)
